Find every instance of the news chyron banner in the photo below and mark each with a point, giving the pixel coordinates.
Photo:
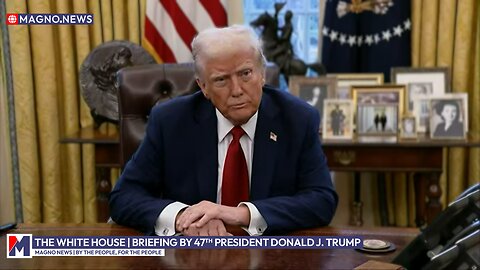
(32, 19)
(28, 245)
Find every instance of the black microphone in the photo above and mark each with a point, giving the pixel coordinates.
(449, 224)
(464, 254)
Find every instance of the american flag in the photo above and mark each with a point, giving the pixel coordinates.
(171, 25)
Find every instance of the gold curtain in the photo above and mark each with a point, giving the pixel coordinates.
(446, 33)
(7, 213)
(58, 180)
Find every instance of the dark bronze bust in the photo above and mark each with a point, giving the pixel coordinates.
(277, 48)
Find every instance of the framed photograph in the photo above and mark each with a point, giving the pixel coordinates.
(464, 97)
(378, 108)
(422, 110)
(338, 119)
(377, 119)
(421, 82)
(408, 130)
(346, 80)
(313, 90)
(448, 117)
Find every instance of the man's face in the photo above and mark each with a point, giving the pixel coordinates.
(233, 83)
(449, 112)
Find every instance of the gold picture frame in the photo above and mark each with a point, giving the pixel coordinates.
(338, 119)
(346, 80)
(378, 108)
(313, 90)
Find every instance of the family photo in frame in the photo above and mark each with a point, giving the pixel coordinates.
(448, 118)
(415, 90)
(338, 119)
(419, 102)
(378, 108)
(408, 128)
(313, 90)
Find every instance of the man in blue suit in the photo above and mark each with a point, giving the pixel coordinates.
(176, 182)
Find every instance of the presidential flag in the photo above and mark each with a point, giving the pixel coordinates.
(366, 36)
(171, 25)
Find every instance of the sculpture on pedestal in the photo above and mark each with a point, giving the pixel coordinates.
(277, 47)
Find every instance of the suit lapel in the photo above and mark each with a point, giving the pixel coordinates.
(268, 136)
(206, 151)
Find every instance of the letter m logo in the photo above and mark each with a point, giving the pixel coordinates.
(19, 245)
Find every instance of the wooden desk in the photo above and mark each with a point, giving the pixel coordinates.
(422, 156)
(210, 259)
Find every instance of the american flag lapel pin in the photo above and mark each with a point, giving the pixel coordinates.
(273, 136)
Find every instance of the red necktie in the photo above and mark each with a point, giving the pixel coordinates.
(235, 172)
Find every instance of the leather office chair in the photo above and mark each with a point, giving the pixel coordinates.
(141, 87)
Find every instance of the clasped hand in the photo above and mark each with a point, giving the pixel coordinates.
(209, 219)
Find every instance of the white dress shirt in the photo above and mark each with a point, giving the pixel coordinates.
(165, 224)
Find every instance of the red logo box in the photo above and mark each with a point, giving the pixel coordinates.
(12, 18)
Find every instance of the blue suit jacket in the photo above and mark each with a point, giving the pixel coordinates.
(177, 161)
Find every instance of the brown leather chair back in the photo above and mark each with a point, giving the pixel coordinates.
(141, 87)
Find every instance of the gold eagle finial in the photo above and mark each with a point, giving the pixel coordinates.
(358, 6)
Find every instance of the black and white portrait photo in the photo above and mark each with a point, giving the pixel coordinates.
(313, 90)
(447, 118)
(314, 95)
(421, 110)
(408, 127)
(338, 120)
(416, 89)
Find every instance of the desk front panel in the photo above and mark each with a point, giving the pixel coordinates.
(386, 159)
(209, 259)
